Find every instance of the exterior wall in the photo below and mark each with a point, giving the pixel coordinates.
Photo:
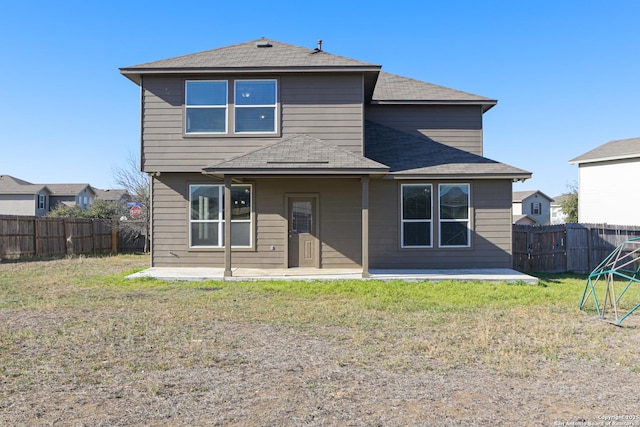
(325, 106)
(456, 126)
(557, 215)
(18, 204)
(606, 192)
(517, 208)
(339, 226)
(490, 238)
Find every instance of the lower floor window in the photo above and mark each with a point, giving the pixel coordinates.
(206, 219)
(454, 215)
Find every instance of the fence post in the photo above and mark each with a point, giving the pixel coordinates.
(36, 237)
(115, 225)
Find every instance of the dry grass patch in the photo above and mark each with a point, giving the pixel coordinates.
(82, 345)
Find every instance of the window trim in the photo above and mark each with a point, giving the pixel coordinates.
(219, 107)
(42, 201)
(230, 110)
(403, 220)
(536, 208)
(220, 218)
(236, 107)
(453, 220)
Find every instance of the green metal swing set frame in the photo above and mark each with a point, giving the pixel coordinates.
(622, 264)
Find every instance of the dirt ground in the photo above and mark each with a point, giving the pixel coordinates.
(274, 375)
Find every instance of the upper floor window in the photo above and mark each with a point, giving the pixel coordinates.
(255, 106)
(416, 216)
(536, 208)
(454, 215)
(231, 107)
(42, 201)
(206, 106)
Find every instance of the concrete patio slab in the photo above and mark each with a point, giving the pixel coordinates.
(243, 274)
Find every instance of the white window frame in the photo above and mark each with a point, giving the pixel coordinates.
(466, 221)
(220, 218)
(42, 201)
(237, 107)
(536, 208)
(225, 106)
(403, 220)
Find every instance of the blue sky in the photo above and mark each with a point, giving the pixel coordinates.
(566, 73)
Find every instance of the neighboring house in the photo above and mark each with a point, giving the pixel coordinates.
(118, 196)
(558, 216)
(19, 197)
(607, 179)
(72, 195)
(308, 159)
(535, 204)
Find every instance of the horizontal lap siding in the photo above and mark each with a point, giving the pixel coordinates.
(456, 126)
(328, 107)
(491, 236)
(340, 229)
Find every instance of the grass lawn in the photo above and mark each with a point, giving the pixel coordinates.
(79, 322)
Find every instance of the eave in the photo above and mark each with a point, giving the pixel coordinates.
(486, 105)
(134, 74)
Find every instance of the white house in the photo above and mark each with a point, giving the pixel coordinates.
(608, 177)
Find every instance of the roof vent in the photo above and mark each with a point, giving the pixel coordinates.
(263, 43)
(319, 48)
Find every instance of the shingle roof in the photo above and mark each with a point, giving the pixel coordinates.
(248, 55)
(110, 194)
(12, 185)
(519, 196)
(420, 156)
(613, 150)
(391, 87)
(299, 153)
(67, 189)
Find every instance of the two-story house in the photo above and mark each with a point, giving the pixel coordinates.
(532, 204)
(269, 155)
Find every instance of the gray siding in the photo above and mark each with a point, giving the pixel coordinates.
(456, 126)
(490, 237)
(328, 107)
(325, 106)
(340, 231)
(18, 204)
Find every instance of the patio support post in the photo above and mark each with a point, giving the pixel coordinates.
(365, 226)
(227, 226)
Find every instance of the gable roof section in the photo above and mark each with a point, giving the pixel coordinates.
(612, 150)
(413, 156)
(299, 154)
(519, 196)
(68, 189)
(250, 57)
(394, 89)
(12, 185)
(116, 194)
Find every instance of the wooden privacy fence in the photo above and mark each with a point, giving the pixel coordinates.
(563, 248)
(28, 236)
